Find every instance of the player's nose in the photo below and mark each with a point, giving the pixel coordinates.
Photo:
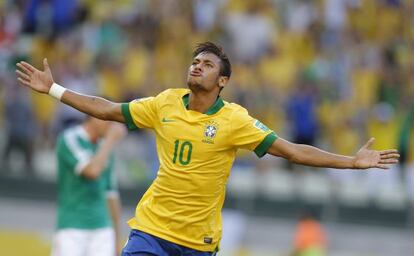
(198, 66)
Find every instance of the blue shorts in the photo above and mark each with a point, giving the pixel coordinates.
(143, 244)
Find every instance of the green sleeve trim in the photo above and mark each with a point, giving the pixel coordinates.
(262, 148)
(128, 118)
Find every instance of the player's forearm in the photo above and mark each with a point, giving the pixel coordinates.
(99, 160)
(94, 106)
(312, 156)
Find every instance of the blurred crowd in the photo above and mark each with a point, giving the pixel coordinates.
(330, 73)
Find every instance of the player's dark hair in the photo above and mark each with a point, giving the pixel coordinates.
(209, 47)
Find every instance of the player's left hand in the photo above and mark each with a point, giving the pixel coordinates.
(368, 158)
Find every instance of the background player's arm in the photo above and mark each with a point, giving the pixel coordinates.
(114, 206)
(99, 161)
(42, 81)
(312, 156)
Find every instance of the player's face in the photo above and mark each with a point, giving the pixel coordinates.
(203, 73)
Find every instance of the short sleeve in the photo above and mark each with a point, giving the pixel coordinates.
(71, 153)
(140, 113)
(251, 134)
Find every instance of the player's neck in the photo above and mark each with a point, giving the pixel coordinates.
(201, 102)
(91, 132)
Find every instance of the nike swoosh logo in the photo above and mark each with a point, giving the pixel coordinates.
(165, 120)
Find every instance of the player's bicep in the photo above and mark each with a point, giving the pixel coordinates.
(283, 148)
(115, 113)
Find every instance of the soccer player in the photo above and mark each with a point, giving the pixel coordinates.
(88, 203)
(197, 136)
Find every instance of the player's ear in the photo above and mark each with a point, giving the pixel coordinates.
(223, 80)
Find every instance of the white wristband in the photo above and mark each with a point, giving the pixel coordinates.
(56, 91)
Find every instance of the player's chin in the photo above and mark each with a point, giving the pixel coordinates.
(193, 83)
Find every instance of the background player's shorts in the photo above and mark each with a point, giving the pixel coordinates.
(80, 242)
(140, 243)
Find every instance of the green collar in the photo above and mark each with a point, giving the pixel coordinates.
(212, 110)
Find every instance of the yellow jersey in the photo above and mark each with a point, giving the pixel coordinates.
(196, 152)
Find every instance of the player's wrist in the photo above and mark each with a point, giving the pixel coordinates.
(353, 161)
(56, 91)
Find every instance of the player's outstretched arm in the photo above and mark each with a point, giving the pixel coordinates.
(308, 155)
(42, 82)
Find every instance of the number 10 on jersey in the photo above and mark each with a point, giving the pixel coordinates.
(182, 151)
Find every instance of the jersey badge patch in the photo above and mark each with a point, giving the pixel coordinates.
(259, 125)
(210, 132)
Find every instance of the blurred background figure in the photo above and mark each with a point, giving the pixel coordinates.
(89, 209)
(310, 237)
(301, 111)
(20, 134)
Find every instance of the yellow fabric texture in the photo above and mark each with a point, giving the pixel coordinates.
(196, 152)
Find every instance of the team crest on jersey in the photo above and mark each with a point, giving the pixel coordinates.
(259, 125)
(210, 132)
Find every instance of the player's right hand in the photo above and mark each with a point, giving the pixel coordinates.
(40, 81)
(116, 132)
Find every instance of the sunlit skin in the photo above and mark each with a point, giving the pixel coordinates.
(204, 81)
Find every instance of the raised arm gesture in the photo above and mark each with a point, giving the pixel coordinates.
(308, 155)
(40, 81)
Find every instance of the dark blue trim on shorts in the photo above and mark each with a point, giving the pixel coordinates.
(141, 243)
